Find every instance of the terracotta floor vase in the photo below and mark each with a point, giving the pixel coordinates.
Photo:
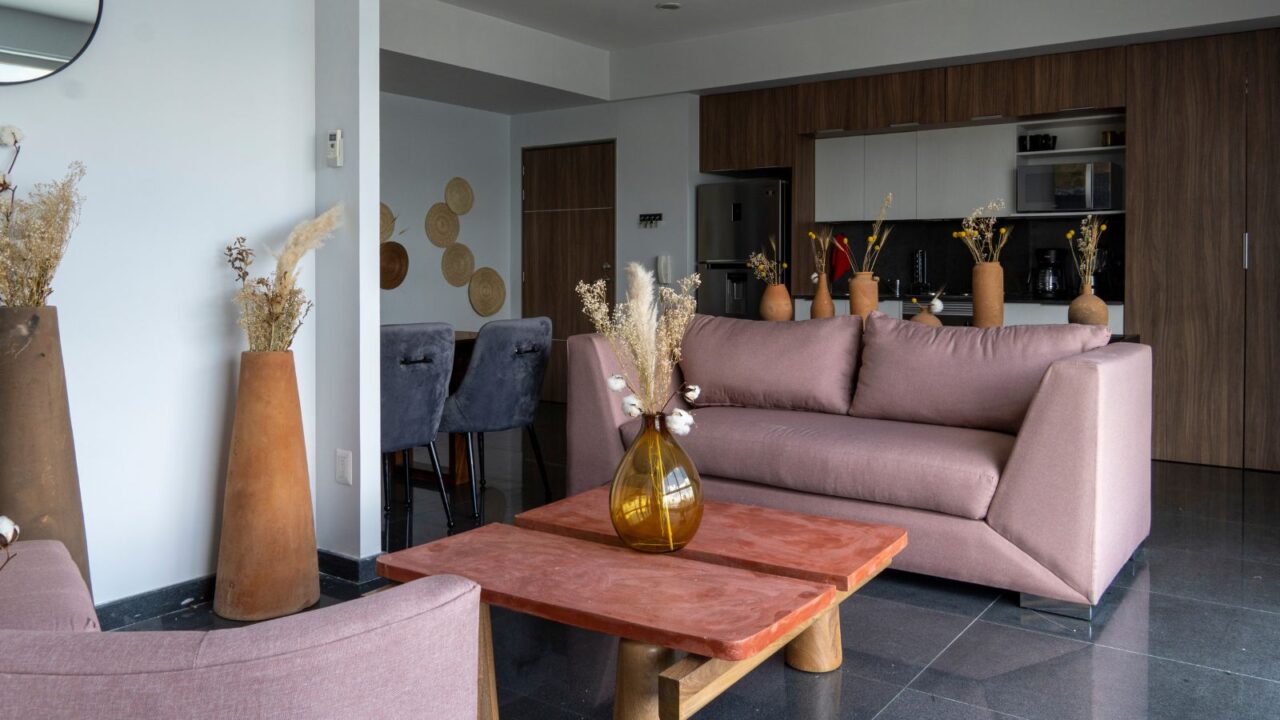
(39, 485)
(776, 303)
(988, 295)
(1088, 309)
(864, 295)
(267, 554)
(822, 306)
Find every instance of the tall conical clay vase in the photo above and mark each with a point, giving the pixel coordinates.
(776, 304)
(39, 485)
(267, 564)
(864, 294)
(1088, 309)
(988, 295)
(823, 306)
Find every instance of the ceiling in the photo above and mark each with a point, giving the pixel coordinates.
(85, 11)
(430, 80)
(619, 24)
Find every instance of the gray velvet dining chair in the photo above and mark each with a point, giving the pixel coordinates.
(501, 391)
(417, 360)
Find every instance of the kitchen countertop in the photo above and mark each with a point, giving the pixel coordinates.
(1009, 299)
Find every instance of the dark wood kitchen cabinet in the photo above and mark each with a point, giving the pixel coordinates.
(987, 91)
(1088, 80)
(906, 99)
(1184, 272)
(747, 130)
(831, 106)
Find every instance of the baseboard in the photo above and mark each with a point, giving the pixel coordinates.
(360, 573)
(154, 603)
(344, 567)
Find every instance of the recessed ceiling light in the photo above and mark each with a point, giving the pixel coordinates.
(668, 6)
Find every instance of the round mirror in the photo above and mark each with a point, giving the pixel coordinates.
(40, 37)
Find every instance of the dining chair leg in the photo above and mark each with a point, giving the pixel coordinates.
(480, 449)
(444, 492)
(386, 498)
(475, 484)
(408, 498)
(542, 466)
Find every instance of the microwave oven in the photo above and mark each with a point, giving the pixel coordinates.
(1069, 186)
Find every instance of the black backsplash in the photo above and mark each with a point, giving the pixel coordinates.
(950, 263)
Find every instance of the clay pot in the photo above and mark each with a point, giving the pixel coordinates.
(822, 306)
(926, 317)
(775, 304)
(864, 294)
(1088, 309)
(39, 485)
(267, 563)
(988, 295)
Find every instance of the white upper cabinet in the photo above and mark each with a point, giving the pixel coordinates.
(959, 169)
(890, 168)
(838, 174)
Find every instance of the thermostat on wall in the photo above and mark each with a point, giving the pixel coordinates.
(334, 153)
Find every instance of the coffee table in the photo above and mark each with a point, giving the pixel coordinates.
(752, 582)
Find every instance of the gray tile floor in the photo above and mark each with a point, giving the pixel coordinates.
(1190, 629)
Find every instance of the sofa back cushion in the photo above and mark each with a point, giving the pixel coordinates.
(805, 365)
(961, 376)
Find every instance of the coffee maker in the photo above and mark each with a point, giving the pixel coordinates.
(1047, 278)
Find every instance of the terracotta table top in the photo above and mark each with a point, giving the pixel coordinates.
(840, 553)
(706, 609)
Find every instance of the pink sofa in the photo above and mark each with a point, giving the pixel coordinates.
(1041, 486)
(402, 653)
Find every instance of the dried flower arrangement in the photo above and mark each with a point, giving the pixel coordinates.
(821, 238)
(1084, 251)
(8, 535)
(645, 331)
(34, 231)
(875, 241)
(272, 308)
(766, 268)
(979, 233)
(933, 304)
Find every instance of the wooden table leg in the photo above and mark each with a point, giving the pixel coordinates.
(818, 649)
(488, 695)
(635, 695)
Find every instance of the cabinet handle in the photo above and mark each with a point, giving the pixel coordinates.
(1081, 107)
(997, 116)
(913, 123)
(1246, 251)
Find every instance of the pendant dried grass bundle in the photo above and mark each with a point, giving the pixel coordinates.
(35, 230)
(875, 241)
(645, 331)
(272, 308)
(978, 231)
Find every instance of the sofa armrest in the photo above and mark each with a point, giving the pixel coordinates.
(595, 414)
(1076, 491)
(410, 651)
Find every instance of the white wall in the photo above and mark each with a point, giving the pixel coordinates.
(424, 145)
(656, 172)
(348, 518)
(196, 123)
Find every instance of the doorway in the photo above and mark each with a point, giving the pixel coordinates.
(567, 226)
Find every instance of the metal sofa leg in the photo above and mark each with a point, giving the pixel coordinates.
(444, 492)
(1079, 611)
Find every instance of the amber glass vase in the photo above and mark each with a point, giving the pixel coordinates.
(656, 498)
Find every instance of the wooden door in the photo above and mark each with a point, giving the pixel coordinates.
(1184, 280)
(1093, 79)
(987, 91)
(1262, 171)
(567, 231)
(907, 98)
(834, 105)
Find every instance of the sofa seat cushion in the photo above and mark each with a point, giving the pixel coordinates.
(41, 589)
(928, 467)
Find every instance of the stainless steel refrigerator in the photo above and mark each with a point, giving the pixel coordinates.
(736, 219)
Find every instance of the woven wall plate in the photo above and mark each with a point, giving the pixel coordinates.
(442, 225)
(458, 196)
(388, 222)
(394, 264)
(457, 264)
(487, 291)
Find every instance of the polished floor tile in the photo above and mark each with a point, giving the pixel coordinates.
(946, 596)
(913, 705)
(1202, 576)
(890, 641)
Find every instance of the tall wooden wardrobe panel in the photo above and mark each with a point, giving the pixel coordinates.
(1185, 282)
(1262, 201)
